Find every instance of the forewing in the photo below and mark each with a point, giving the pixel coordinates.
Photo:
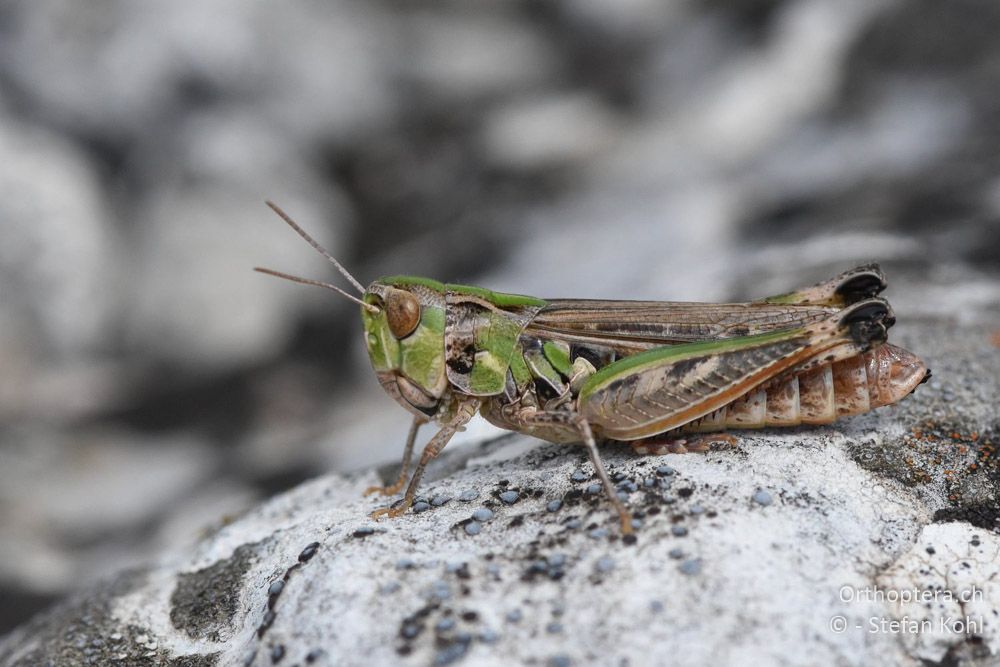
(646, 324)
(664, 388)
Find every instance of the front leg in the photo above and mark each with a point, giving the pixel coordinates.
(404, 467)
(463, 413)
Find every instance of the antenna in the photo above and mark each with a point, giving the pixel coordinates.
(320, 249)
(371, 308)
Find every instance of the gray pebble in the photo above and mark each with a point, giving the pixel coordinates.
(676, 553)
(439, 500)
(554, 628)
(560, 660)
(444, 625)
(665, 471)
(440, 590)
(389, 588)
(556, 560)
(473, 528)
(573, 524)
(276, 587)
(482, 514)
(421, 506)
(691, 567)
(579, 476)
(598, 533)
(468, 495)
(678, 531)
(594, 488)
(451, 653)
(553, 506)
(762, 497)
(514, 615)
(628, 486)
(605, 564)
(509, 497)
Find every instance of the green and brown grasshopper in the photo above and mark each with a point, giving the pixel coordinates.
(650, 373)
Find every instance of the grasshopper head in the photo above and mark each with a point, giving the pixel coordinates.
(404, 332)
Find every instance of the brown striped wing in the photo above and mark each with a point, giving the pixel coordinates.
(644, 324)
(668, 387)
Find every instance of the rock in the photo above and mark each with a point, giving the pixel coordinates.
(872, 508)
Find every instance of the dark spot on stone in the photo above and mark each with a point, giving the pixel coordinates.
(277, 653)
(306, 555)
(685, 492)
(470, 616)
(630, 539)
(266, 622)
(204, 603)
(364, 531)
(314, 655)
(980, 515)
(678, 531)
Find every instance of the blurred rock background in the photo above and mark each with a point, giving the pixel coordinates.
(151, 385)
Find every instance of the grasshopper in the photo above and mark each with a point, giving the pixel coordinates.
(654, 374)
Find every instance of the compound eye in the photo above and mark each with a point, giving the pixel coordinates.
(402, 311)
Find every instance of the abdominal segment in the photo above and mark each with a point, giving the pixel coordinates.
(823, 393)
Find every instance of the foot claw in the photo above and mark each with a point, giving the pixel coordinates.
(391, 512)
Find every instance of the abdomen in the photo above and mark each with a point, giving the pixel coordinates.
(820, 395)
